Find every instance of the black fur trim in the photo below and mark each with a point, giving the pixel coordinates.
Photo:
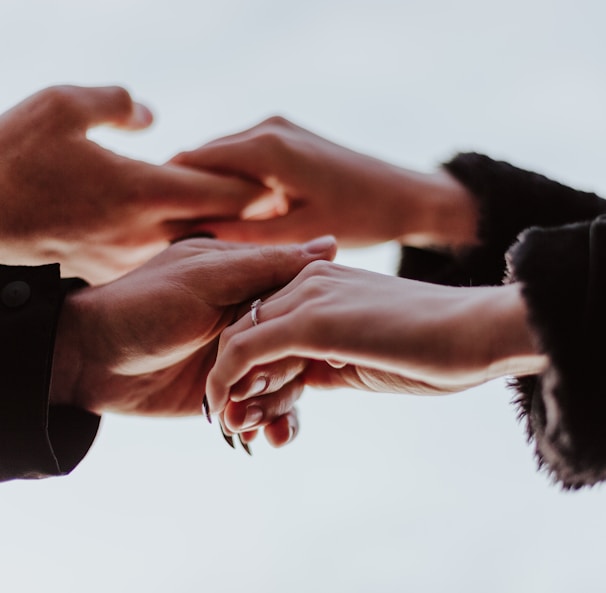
(563, 276)
(509, 201)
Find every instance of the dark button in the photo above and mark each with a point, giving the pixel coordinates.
(15, 294)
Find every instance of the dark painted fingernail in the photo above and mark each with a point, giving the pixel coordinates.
(206, 409)
(228, 439)
(198, 235)
(245, 446)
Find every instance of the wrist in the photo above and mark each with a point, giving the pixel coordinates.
(510, 345)
(444, 213)
(67, 355)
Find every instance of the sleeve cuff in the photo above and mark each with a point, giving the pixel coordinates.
(35, 441)
(509, 200)
(563, 276)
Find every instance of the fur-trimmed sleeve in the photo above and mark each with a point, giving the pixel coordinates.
(509, 200)
(563, 276)
(560, 259)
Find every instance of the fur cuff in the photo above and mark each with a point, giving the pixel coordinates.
(509, 200)
(563, 276)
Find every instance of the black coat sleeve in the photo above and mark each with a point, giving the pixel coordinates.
(559, 256)
(563, 275)
(509, 201)
(36, 440)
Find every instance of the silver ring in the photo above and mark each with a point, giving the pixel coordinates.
(254, 310)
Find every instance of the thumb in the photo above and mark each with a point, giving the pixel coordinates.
(261, 269)
(111, 105)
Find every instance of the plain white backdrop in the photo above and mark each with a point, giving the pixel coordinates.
(378, 493)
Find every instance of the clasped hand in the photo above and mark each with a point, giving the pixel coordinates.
(66, 199)
(334, 326)
(145, 343)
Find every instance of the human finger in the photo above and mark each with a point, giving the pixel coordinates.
(92, 106)
(278, 433)
(241, 274)
(298, 291)
(226, 156)
(248, 436)
(283, 430)
(298, 224)
(180, 193)
(252, 153)
(250, 349)
(289, 323)
(244, 437)
(263, 380)
(262, 410)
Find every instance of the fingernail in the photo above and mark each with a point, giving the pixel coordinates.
(259, 386)
(141, 115)
(206, 409)
(228, 439)
(292, 431)
(244, 445)
(252, 418)
(320, 245)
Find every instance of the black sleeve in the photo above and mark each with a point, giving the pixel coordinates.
(563, 276)
(509, 200)
(560, 260)
(36, 440)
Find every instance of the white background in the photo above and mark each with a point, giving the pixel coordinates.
(378, 493)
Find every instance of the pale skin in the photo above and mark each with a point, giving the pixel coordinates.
(378, 333)
(66, 199)
(337, 326)
(323, 188)
(145, 343)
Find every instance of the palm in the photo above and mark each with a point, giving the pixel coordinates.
(176, 390)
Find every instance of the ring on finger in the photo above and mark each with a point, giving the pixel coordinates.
(254, 311)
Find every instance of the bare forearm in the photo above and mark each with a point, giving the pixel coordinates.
(504, 332)
(433, 209)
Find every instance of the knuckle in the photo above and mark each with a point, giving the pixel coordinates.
(59, 98)
(120, 97)
(226, 337)
(277, 121)
(270, 253)
(312, 289)
(181, 157)
(238, 349)
(318, 267)
(272, 132)
(271, 140)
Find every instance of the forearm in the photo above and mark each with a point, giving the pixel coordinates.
(503, 332)
(431, 209)
(458, 337)
(416, 208)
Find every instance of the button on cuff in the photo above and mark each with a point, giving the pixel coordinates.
(15, 294)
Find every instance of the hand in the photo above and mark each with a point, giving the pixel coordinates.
(325, 188)
(334, 327)
(66, 199)
(144, 343)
